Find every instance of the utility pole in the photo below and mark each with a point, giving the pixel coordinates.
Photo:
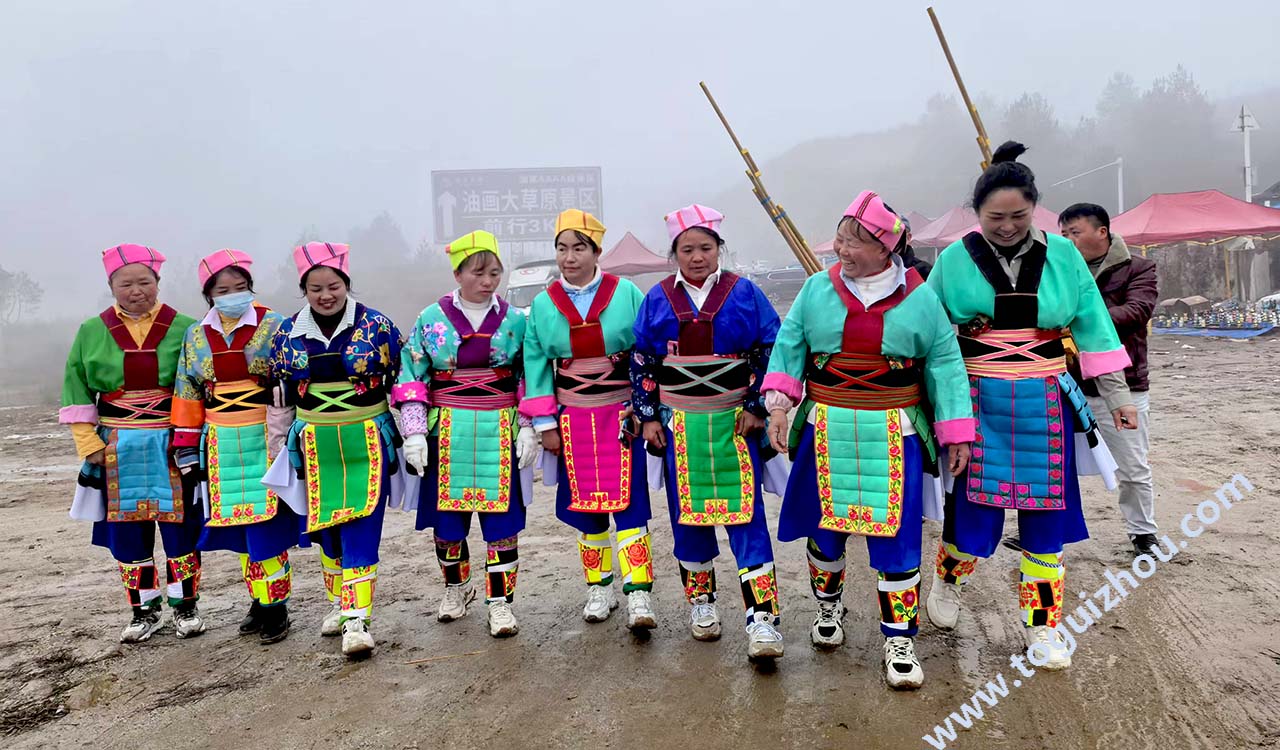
(1246, 123)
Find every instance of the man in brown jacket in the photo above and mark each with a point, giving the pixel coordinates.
(1128, 285)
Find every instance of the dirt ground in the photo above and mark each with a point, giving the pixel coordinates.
(1189, 660)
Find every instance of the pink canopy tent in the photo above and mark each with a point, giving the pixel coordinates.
(917, 219)
(1203, 215)
(630, 257)
(960, 221)
(954, 222)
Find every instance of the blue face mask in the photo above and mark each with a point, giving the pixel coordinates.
(233, 305)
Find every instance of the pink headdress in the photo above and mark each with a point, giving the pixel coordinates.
(869, 211)
(215, 262)
(693, 216)
(313, 254)
(114, 258)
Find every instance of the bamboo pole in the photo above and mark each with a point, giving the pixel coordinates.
(984, 143)
(777, 214)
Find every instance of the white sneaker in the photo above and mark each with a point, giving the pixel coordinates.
(502, 621)
(640, 611)
(704, 619)
(332, 624)
(901, 667)
(356, 639)
(1053, 645)
(766, 641)
(187, 622)
(600, 603)
(827, 632)
(943, 606)
(453, 605)
(141, 627)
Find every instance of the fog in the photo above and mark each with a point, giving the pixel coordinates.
(190, 127)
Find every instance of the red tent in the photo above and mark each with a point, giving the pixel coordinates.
(954, 222)
(1203, 215)
(630, 257)
(958, 222)
(917, 219)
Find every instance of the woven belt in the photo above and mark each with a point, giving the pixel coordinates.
(707, 383)
(592, 381)
(1014, 353)
(476, 388)
(142, 409)
(237, 403)
(863, 381)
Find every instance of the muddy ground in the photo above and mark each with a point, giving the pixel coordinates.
(1189, 660)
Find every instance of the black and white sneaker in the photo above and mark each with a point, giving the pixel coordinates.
(1144, 544)
(827, 631)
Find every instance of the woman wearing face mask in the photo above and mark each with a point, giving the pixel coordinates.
(863, 438)
(1013, 290)
(461, 370)
(336, 361)
(702, 344)
(226, 427)
(117, 395)
(577, 355)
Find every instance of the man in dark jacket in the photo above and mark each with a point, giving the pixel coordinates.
(1128, 286)
(908, 253)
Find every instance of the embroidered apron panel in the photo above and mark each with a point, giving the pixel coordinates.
(141, 482)
(1018, 454)
(475, 459)
(715, 480)
(597, 463)
(237, 458)
(862, 494)
(344, 466)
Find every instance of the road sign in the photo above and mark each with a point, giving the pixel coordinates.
(516, 205)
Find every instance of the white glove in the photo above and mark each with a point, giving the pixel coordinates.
(416, 453)
(527, 446)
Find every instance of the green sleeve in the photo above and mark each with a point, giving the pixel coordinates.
(791, 348)
(945, 377)
(75, 382)
(1092, 328)
(538, 372)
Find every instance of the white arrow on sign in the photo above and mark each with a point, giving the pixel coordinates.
(447, 202)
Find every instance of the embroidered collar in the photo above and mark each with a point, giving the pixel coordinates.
(305, 325)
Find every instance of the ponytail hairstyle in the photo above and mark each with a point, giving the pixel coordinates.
(1006, 172)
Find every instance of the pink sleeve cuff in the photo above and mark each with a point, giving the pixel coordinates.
(1093, 364)
(413, 418)
(79, 413)
(783, 383)
(402, 393)
(952, 431)
(539, 406)
(186, 438)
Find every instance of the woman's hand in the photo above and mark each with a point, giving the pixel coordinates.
(98, 457)
(778, 430)
(654, 435)
(957, 458)
(551, 441)
(748, 423)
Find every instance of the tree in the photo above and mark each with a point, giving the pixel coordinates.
(20, 295)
